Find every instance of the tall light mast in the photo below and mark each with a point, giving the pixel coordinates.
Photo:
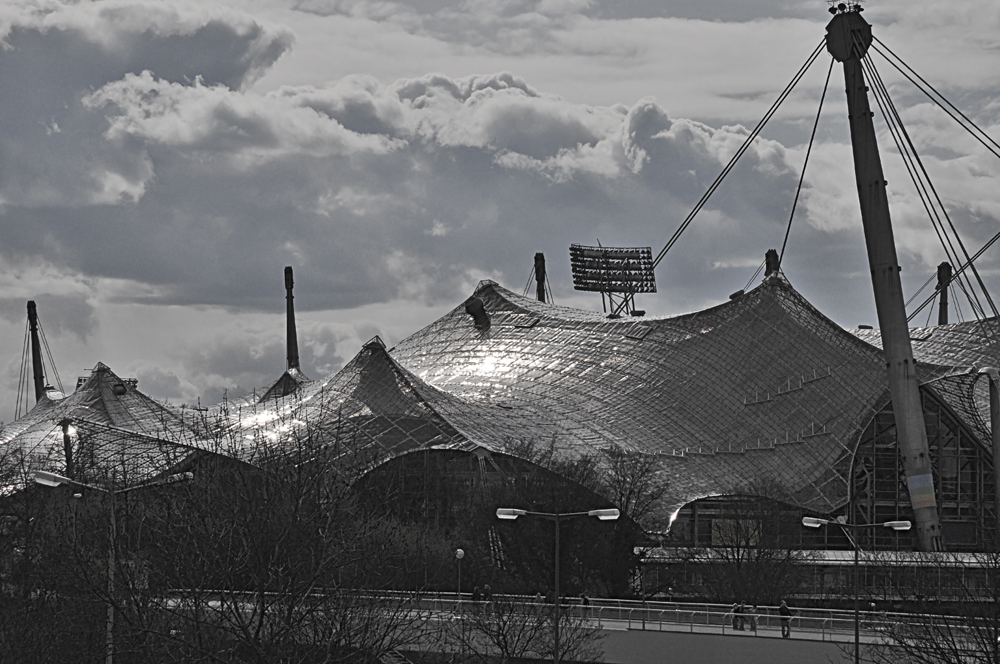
(848, 38)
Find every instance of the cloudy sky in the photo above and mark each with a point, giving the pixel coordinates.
(161, 162)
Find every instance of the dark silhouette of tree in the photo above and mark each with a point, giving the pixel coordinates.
(753, 557)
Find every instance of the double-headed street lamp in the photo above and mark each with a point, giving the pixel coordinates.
(850, 529)
(510, 513)
(51, 479)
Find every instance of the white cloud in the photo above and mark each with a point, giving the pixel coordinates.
(172, 158)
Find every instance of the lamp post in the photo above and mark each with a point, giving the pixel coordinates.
(51, 479)
(850, 529)
(459, 554)
(510, 513)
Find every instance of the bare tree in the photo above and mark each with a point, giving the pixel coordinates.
(954, 608)
(243, 563)
(636, 483)
(753, 556)
(510, 628)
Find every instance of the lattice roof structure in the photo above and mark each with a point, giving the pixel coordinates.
(370, 411)
(763, 385)
(966, 348)
(103, 400)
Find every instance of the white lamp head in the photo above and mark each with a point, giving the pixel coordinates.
(50, 479)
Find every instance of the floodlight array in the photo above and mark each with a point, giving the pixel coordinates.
(612, 269)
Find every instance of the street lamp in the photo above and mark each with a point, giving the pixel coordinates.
(849, 528)
(510, 513)
(46, 478)
(459, 554)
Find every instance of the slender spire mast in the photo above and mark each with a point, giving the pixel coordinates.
(36, 352)
(540, 276)
(848, 38)
(293, 341)
(944, 279)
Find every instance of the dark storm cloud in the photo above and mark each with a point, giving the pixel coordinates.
(199, 190)
(58, 314)
(406, 190)
(242, 358)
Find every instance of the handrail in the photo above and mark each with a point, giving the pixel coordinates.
(825, 624)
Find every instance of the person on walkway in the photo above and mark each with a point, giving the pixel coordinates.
(786, 620)
(736, 616)
(742, 610)
(585, 601)
(476, 599)
(754, 612)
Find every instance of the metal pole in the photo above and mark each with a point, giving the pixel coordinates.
(38, 375)
(291, 338)
(993, 377)
(848, 39)
(857, 629)
(540, 277)
(68, 447)
(110, 638)
(944, 279)
(555, 610)
(852, 517)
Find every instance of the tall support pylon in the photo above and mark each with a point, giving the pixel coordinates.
(37, 373)
(848, 38)
(291, 338)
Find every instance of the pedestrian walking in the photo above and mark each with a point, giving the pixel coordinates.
(585, 601)
(736, 616)
(754, 612)
(742, 610)
(786, 620)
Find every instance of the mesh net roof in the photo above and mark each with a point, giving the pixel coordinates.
(98, 453)
(761, 385)
(371, 410)
(103, 398)
(949, 358)
(968, 344)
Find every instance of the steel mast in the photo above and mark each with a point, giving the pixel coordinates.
(291, 338)
(37, 373)
(848, 38)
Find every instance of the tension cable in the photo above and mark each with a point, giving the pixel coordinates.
(739, 153)
(925, 188)
(805, 163)
(941, 101)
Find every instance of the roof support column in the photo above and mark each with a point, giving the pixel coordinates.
(848, 39)
(540, 277)
(38, 375)
(291, 337)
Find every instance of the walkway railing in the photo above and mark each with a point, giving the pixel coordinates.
(811, 624)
